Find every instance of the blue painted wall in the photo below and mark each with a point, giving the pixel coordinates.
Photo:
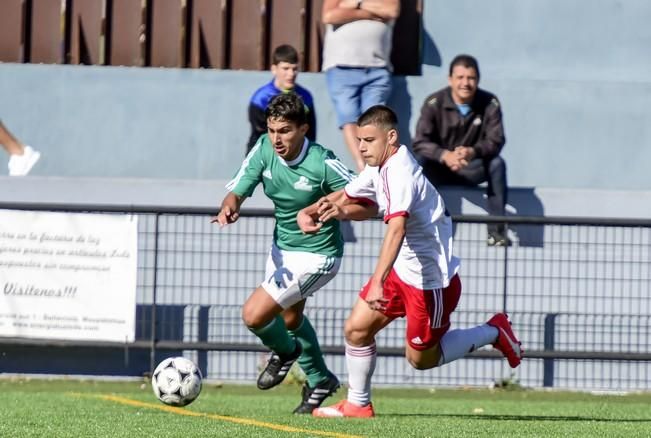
(573, 78)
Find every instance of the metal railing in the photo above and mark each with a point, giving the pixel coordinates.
(576, 290)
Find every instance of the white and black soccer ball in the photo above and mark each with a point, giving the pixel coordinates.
(176, 381)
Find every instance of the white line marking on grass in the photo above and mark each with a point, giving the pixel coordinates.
(237, 420)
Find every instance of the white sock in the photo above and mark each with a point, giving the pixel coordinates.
(457, 343)
(361, 365)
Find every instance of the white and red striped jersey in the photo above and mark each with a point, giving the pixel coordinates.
(399, 188)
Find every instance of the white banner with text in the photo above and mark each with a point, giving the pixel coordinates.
(68, 276)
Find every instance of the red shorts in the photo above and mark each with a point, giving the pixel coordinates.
(428, 311)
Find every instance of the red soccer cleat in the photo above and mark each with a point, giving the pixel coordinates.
(506, 342)
(345, 409)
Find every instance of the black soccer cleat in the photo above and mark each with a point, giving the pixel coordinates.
(313, 397)
(277, 368)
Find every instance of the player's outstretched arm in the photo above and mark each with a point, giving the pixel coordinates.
(338, 205)
(229, 211)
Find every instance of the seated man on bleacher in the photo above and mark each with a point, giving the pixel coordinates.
(459, 137)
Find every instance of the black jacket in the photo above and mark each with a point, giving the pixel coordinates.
(441, 126)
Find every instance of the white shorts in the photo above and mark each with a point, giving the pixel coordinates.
(292, 276)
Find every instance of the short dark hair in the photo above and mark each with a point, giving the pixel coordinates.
(284, 53)
(287, 106)
(465, 61)
(379, 115)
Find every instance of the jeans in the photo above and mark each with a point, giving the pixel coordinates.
(476, 172)
(354, 90)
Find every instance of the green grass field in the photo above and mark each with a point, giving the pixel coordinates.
(70, 408)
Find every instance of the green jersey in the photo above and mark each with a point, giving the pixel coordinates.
(292, 186)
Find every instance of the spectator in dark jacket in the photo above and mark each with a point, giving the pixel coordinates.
(459, 137)
(284, 67)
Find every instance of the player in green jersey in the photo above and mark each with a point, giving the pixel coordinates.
(295, 173)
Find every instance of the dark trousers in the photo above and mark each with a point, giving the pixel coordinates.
(476, 172)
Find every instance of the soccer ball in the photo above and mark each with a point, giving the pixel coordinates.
(176, 381)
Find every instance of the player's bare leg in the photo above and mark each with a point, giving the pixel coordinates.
(363, 324)
(261, 314)
(293, 316)
(361, 327)
(423, 359)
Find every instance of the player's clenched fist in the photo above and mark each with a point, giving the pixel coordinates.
(307, 223)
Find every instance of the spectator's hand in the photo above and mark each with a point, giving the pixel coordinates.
(307, 224)
(453, 161)
(375, 297)
(465, 152)
(463, 155)
(225, 216)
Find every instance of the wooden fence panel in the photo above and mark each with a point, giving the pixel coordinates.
(236, 34)
(124, 33)
(206, 34)
(315, 32)
(405, 55)
(12, 25)
(44, 42)
(287, 26)
(164, 31)
(85, 31)
(248, 35)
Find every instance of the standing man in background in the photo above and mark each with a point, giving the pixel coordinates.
(458, 140)
(356, 59)
(284, 68)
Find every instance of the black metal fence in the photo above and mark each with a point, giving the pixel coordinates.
(577, 291)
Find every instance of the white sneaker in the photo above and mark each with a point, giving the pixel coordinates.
(20, 165)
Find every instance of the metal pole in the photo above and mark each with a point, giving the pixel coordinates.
(152, 346)
(550, 335)
(505, 273)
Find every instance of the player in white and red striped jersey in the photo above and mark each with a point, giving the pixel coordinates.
(416, 272)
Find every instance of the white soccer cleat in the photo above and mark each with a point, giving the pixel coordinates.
(20, 165)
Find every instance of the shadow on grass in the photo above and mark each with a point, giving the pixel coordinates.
(526, 417)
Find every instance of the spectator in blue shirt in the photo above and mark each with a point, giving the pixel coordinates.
(284, 67)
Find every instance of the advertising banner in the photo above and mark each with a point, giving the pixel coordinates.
(68, 276)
